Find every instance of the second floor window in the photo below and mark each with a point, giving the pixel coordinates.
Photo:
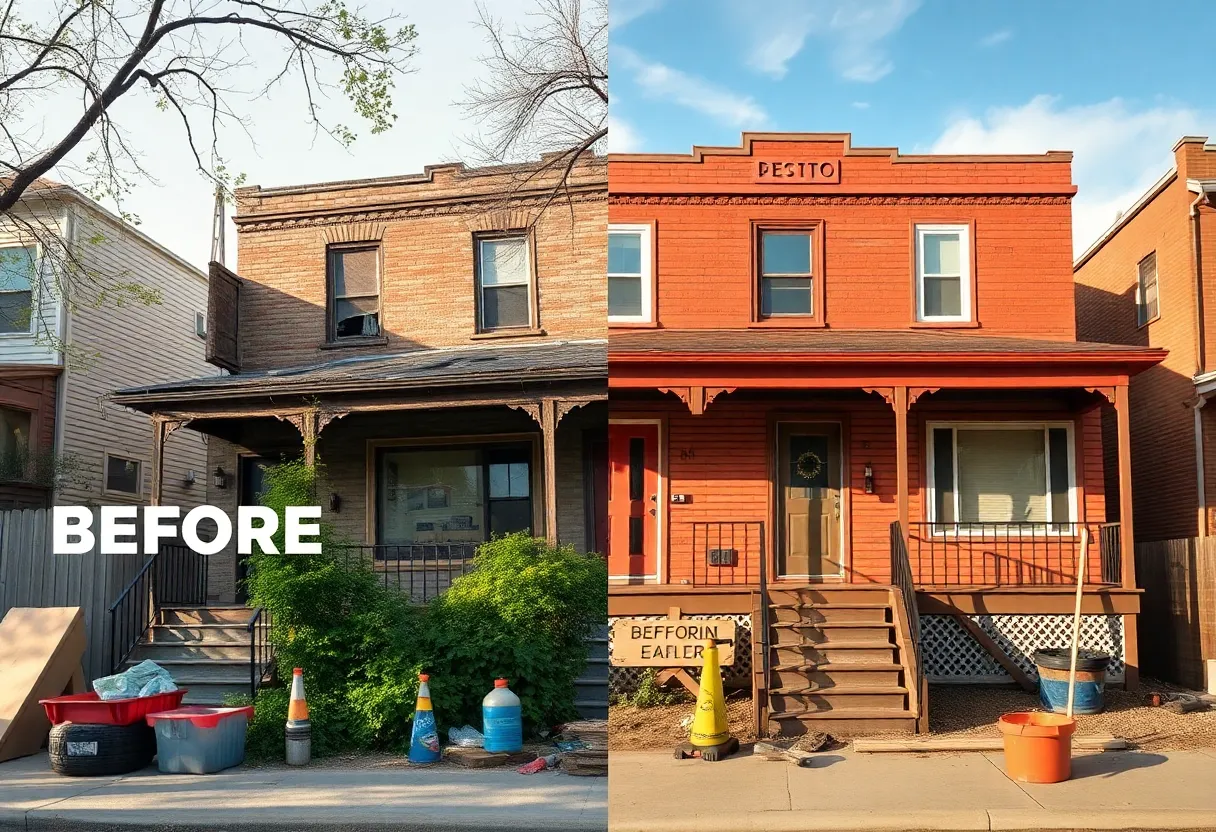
(786, 273)
(504, 283)
(354, 292)
(17, 271)
(630, 283)
(1147, 307)
(943, 281)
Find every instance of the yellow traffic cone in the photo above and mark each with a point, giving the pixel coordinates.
(710, 737)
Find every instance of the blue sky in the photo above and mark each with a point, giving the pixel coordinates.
(1113, 81)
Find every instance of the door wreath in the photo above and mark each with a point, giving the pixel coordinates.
(809, 465)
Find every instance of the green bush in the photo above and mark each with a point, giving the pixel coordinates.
(521, 613)
(650, 693)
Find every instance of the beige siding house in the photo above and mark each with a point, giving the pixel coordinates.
(77, 353)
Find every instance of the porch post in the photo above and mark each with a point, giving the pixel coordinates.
(158, 459)
(1127, 537)
(900, 406)
(548, 429)
(308, 431)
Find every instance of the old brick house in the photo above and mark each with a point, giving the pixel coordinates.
(435, 340)
(849, 411)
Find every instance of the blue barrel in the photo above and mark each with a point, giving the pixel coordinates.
(502, 720)
(1053, 665)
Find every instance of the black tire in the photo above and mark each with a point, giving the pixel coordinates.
(100, 749)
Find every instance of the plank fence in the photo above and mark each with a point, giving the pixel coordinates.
(1178, 609)
(31, 576)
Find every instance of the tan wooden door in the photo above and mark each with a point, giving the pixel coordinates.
(809, 500)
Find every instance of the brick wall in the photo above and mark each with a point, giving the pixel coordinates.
(425, 226)
(1162, 423)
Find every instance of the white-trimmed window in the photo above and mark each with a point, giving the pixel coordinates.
(943, 279)
(1001, 473)
(354, 291)
(630, 281)
(1148, 308)
(124, 476)
(504, 283)
(18, 269)
(786, 272)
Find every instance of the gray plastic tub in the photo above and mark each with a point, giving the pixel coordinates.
(199, 740)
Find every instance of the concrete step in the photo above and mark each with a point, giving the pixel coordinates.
(211, 614)
(166, 651)
(790, 632)
(829, 675)
(214, 633)
(814, 613)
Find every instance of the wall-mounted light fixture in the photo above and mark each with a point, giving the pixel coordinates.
(869, 479)
(335, 502)
(191, 478)
(220, 478)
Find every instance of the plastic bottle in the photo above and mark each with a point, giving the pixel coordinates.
(502, 720)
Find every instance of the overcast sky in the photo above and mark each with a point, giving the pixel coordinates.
(176, 209)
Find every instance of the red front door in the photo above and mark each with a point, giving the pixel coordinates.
(633, 500)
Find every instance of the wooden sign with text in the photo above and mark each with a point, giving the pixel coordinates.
(804, 172)
(671, 642)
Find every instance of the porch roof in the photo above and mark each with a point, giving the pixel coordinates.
(863, 346)
(432, 370)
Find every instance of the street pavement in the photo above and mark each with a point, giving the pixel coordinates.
(843, 790)
(440, 799)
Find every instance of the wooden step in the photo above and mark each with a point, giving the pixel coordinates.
(196, 670)
(845, 724)
(814, 688)
(824, 632)
(842, 652)
(839, 595)
(165, 651)
(171, 633)
(814, 613)
(830, 674)
(840, 699)
(212, 614)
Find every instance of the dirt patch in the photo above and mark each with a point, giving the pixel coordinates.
(631, 728)
(962, 710)
(379, 760)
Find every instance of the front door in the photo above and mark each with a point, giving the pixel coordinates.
(809, 495)
(249, 493)
(633, 500)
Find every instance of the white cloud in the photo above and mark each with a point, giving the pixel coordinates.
(622, 137)
(861, 105)
(657, 80)
(998, 37)
(853, 31)
(623, 12)
(1119, 152)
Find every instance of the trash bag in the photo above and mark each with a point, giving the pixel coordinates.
(466, 737)
(144, 679)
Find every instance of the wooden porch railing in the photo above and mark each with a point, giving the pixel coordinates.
(723, 552)
(422, 571)
(1011, 554)
(908, 615)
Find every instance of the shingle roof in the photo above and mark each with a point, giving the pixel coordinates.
(853, 343)
(473, 366)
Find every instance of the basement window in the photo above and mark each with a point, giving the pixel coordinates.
(354, 292)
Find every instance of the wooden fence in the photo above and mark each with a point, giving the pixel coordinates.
(1177, 623)
(31, 576)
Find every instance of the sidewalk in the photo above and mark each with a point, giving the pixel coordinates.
(652, 792)
(439, 799)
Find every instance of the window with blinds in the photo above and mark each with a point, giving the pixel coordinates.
(354, 292)
(1001, 473)
(1147, 306)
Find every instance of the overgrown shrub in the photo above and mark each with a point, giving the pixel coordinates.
(649, 693)
(522, 612)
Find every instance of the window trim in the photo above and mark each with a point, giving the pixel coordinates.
(106, 456)
(35, 287)
(967, 280)
(331, 300)
(930, 504)
(814, 227)
(533, 325)
(1142, 320)
(648, 277)
(375, 446)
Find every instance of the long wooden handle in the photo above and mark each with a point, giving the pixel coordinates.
(1076, 622)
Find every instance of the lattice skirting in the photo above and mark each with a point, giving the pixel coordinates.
(624, 680)
(951, 655)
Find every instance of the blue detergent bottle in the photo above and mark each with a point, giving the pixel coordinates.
(502, 720)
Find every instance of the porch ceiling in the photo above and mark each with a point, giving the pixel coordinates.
(448, 374)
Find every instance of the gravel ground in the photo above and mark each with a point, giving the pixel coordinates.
(953, 711)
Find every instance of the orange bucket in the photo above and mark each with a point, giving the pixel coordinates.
(1038, 746)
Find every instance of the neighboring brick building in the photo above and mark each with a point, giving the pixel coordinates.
(1150, 281)
(845, 387)
(442, 338)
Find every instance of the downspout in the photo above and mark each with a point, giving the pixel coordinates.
(61, 397)
(1200, 360)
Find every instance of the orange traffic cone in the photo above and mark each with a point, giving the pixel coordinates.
(299, 729)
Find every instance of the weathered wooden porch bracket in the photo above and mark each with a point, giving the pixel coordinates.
(1107, 392)
(697, 398)
(163, 426)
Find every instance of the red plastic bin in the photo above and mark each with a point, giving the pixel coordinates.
(91, 708)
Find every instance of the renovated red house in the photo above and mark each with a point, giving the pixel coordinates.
(848, 410)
